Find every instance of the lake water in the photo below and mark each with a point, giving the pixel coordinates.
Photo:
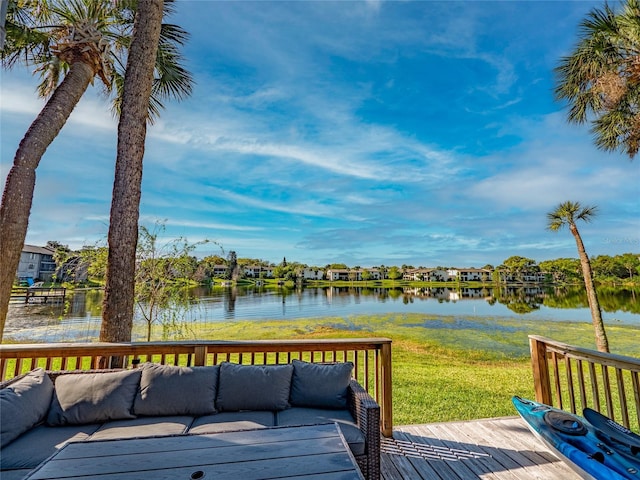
(79, 318)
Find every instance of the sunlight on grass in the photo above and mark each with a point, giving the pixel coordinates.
(444, 368)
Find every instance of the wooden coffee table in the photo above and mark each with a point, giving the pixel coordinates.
(315, 452)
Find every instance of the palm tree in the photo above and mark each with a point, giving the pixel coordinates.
(568, 213)
(117, 312)
(77, 40)
(600, 79)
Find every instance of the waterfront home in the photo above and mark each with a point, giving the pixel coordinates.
(522, 277)
(36, 263)
(257, 271)
(448, 275)
(313, 274)
(345, 274)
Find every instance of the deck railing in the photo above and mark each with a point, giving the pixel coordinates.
(569, 378)
(371, 358)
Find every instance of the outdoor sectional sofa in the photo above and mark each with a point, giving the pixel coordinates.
(43, 410)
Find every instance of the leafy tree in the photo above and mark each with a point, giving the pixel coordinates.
(562, 269)
(631, 263)
(567, 214)
(366, 275)
(600, 79)
(232, 266)
(383, 272)
(161, 273)
(353, 274)
(76, 41)
(394, 273)
(95, 257)
(206, 266)
(61, 254)
(605, 266)
(519, 266)
(279, 271)
(337, 266)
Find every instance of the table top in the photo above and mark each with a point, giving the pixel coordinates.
(315, 452)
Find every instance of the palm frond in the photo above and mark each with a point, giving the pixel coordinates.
(600, 79)
(36, 28)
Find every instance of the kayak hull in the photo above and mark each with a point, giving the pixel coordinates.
(576, 441)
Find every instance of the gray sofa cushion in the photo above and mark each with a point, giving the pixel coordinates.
(233, 421)
(143, 427)
(93, 397)
(320, 385)
(24, 404)
(171, 390)
(39, 443)
(314, 416)
(253, 387)
(15, 474)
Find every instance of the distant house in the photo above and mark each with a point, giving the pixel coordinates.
(36, 264)
(313, 274)
(258, 271)
(522, 277)
(347, 274)
(338, 274)
(471, 274)
(219, 271)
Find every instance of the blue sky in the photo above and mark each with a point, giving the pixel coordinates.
(366, 133)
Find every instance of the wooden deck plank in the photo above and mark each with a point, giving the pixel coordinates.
(449, 456)
(512, 458)
(496, 449)
(415, 457)
(524, 442)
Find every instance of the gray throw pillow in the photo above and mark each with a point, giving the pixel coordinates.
(24, 404)
(171, 390)
(253, 387)
(82, 398)
(321, 385)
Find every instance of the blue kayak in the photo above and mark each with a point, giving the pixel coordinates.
(577, 442)
(613, 434)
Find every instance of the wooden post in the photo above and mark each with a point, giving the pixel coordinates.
(200, 355)
(540, 365)
(386, 405)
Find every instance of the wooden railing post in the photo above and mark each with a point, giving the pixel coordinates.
(540, 365)
(386, 405)
(200, 355)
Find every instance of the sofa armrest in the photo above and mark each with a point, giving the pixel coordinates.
(366, 412)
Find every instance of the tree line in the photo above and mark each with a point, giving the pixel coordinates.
(178, 263)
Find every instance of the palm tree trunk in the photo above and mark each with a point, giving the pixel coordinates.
(596, 314)
(18, 191)
(117, 312)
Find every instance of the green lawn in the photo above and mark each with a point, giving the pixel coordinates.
(444, 368)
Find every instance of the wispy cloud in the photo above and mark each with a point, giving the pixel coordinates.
(378, 132)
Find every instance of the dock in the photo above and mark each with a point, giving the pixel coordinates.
(497, 448)
(38, 295)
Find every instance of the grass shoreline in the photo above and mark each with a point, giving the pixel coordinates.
(445, 368)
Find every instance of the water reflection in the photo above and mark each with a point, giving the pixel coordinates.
(81, 313)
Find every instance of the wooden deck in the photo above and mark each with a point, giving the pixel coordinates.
(499, 448)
